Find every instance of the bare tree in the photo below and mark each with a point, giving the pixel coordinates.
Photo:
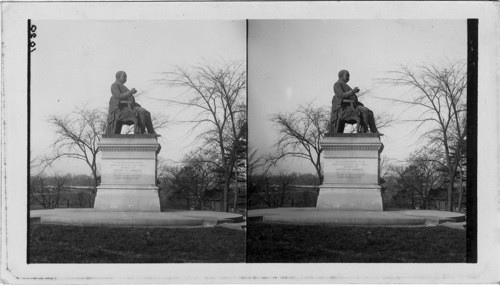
(420, 177)
(47, 191)
(439, 94)
(165, 176)
(194, 179)
(38, 189)
(205, 178)
(239, 149)
(78, 135)
(300, 132)
(255, 162)
(285, 180)
(217, 95)
(272, 190)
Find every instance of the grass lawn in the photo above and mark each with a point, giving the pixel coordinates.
(268, 242)
(96, 244)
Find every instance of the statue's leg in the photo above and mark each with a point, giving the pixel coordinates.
(340, 127)
(148, 122)
(364, 118)
(333, 127)
(368, 119)
(118, 127)
(136, 125)
(140, 119)
(140, 126)
(363, 127)
(146, 119)
(109, 128)
(371, 122)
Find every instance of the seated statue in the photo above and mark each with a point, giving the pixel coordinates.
(123, 110)
(346, 109)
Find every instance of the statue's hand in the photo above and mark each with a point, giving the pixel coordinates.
(356, 90)
(133, 91)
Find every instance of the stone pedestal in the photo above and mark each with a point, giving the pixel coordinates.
(351, 173)
(128, 174)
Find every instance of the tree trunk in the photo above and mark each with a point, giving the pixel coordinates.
(412, 199)
(283, 189)
(225, 203)
(321, 178)
(96, 183)
(449, 207)
(236, 190)
(58, 195)
(460, 192)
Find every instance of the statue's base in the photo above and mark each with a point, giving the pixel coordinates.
(128, 174)
(348, 197)
(351, 173)
(133, 198)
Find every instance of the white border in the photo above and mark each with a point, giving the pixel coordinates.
(14, 268)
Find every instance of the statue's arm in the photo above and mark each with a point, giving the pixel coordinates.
(115, 91)
(337, 89)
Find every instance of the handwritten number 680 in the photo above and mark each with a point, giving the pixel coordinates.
(32, 35)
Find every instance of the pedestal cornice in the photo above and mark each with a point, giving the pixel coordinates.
(114, 136)
(128, 148)
(351, 142)
(351, 146)
(127, 143)
(350, 135)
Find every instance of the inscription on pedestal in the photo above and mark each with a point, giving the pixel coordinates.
(127, 171)
(351, 171)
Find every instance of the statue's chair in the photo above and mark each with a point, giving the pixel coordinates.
(348, 115)
(131, 119)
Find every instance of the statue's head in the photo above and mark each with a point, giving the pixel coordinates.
(121, 76)
(344, 75)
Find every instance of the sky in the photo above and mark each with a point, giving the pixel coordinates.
(293, 62)
(290, 62)
(75, 64)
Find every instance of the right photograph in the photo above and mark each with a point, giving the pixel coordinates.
(358, 135)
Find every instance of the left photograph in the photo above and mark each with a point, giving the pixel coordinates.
(137, 141)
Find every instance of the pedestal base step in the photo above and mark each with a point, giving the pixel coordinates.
(171, 218)
(115, 200)
(347, 198)
(391, 217)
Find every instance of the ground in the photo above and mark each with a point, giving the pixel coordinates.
(110, 244)
(272, 242)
